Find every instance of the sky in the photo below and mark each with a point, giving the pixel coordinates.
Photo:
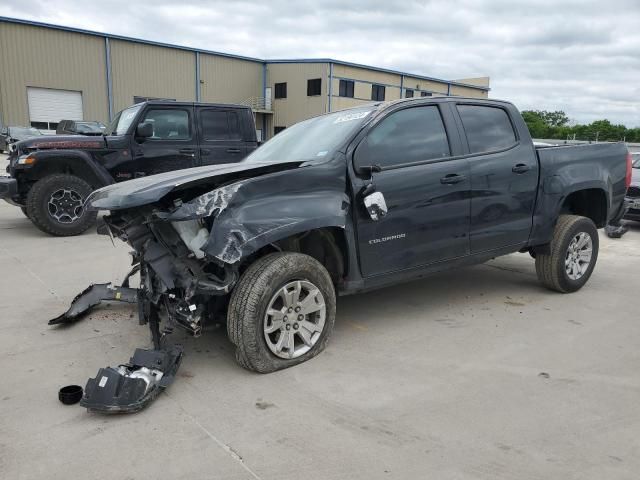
(579, 56)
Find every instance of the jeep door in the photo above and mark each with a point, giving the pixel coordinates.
(221, 135)
(426, 189)
(172, 146)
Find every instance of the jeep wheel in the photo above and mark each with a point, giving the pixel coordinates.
(281, 312)
(55, 204)
(24, 210)
(574, 251)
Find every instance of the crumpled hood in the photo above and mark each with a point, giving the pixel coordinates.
(146, 190)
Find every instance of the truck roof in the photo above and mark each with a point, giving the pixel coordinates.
(195, 104)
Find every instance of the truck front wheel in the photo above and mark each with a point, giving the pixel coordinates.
(55, 204)
(281, 312)
(572, 257)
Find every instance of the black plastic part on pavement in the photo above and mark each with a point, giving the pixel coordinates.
(70, 394)
(114, 390)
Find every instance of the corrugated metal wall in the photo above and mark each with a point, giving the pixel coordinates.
(229, 80)
(47, 58)
(151, 71)
(297, 106)
(39, 56)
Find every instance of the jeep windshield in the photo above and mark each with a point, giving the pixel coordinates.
(312, 139)
(122, 121)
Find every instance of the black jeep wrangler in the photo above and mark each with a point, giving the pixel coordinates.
(51, 176)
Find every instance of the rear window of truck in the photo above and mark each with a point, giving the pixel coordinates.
(487, 128)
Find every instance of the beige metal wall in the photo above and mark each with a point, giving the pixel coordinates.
(297, 106)
(468, 92)
(42, 57)
(229, 80)
(150, 71)
(419, 85)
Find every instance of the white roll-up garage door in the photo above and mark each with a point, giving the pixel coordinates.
(51, 106)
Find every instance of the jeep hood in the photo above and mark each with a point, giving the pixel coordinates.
(146, 190)
(62, 142)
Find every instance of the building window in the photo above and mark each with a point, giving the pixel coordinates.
(277, 130)
(45, 125)
(314, 86)
(346, 88)
(426, 94)
(408, 93)
(281, 90)
(377, 92)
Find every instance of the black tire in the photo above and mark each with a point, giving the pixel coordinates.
(24, 210)
(251, 297)
(551, 269)
(38, 205)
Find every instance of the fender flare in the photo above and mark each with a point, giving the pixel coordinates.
(78, 162)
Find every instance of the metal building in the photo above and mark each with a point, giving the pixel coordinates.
(49, 73)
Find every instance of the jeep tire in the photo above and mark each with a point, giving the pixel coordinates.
(55, 204)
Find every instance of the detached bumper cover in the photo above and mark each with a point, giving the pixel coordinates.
(132, 386)
(8, 189)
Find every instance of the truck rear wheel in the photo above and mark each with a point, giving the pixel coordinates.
(281, 312)
(55, 204)
(573, 256)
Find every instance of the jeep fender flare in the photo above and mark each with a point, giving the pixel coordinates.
(74, 162)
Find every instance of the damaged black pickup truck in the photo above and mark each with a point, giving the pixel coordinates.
(351, 201)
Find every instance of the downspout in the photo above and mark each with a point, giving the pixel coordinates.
(448, 89)
(401, 84)
(330, 89)
(264, 94)
(107, 55)
(197, 76)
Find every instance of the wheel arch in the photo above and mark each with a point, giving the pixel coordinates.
(79, 164)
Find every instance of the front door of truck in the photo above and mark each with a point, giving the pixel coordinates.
(221, 135)
(504, 178)
(172, 146)
(426, 191)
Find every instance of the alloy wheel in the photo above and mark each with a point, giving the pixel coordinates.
(295, 319)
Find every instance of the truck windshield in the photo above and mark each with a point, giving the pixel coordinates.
(122, 121)
(312, 139)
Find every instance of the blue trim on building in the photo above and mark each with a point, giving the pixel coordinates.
(197, 76)
(107, 59)
(239, 57)
(330, 89)
(264, 94)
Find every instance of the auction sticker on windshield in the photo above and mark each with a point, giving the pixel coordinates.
(351, 116)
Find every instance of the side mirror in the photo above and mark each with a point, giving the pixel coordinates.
(375, 205)
(144, 130)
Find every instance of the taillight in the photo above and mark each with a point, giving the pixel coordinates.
(627, 178)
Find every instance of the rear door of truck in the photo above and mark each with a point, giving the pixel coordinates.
(221, 131)
(504, 175)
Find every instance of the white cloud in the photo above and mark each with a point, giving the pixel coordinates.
(579, 56)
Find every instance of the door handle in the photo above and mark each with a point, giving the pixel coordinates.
(233, 150)
(188, 151)
(521, 168)
(452, 178)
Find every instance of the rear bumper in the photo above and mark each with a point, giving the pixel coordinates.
(9, 190)
(632, 208)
